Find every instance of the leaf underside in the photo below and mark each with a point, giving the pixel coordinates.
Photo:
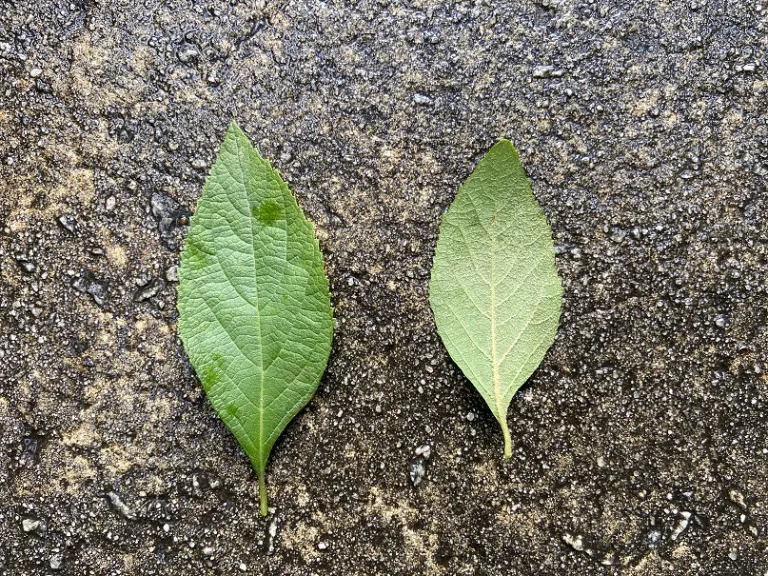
(254, 308)
(494, 289)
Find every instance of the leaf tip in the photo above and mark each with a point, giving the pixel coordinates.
(234, 132)
(234, 127)
(504, 146)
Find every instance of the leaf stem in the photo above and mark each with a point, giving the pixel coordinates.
(507, 438)
(263, 494)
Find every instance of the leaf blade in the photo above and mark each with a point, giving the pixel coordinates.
(254, 306)
(494, 289)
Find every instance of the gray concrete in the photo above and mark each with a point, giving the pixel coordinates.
(640, 443)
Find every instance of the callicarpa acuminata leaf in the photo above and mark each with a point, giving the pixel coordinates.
(494, 290)
(255, 313)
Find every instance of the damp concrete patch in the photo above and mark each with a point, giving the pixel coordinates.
(639, 445)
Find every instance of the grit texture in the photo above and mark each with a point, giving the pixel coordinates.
(640, 444)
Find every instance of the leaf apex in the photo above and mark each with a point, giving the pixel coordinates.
(504, 146)
(234, 127)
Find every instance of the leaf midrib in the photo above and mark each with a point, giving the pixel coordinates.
(492, 282)
(260, 407)
(496, 365)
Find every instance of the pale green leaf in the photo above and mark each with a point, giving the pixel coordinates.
(494, 291)
(254, 309)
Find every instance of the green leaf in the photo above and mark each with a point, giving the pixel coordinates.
(255, 313)
(494, 290)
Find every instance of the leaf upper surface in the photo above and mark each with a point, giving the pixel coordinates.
(494, 288)
(254, 308)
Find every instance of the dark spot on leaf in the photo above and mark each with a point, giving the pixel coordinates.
(267, 213)
(210, 373)
(194, 255)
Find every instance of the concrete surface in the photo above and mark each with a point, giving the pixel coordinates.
(640, 443)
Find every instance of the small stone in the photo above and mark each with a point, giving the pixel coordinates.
(721, 321)
(733, 555)
(68, 223)
(749, 67)
(417, 472)
(172, 274)
(242, 567)
(470, 416)
(653, 538)
(685, 518)
(422, 100)
(36, 72)
(322, 546)
(163, 206)
(56, 561)
(199, 163)
(28, 267)
(618, 236)
(110, 204)
(209, 551)
(168, 214)
(601, 463)
(150, 290)
(89, 284)
(425, 451)
(30, 525)
(543, 71)
(737, 498)
(271, 533)
(574, 542)
(121, 506)
(187, 53)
